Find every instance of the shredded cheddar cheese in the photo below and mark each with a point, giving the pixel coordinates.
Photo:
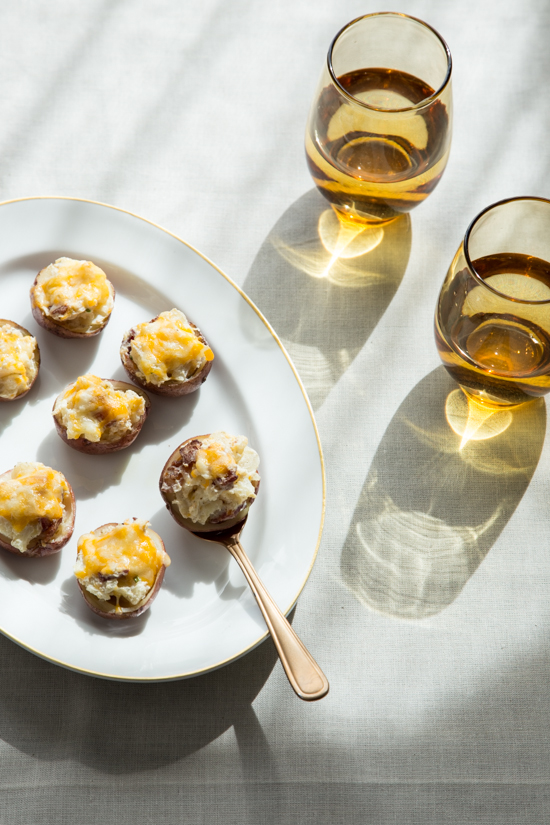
(33, 492)
(123, 562)
(18, 364)
(92, 408)
(75, 294)
(168, 349)
(214, 459)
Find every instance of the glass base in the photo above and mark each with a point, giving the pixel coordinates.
(352, 216)
(485, 399)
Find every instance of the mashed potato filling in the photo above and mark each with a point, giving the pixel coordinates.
(18, 366)
(75, 294)
(91, 407)
(220, 480)
(32, 492)
(168, 349)
(123, 562)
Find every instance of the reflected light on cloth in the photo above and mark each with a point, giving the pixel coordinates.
(340, 243)
(345, 239)
(410, 564)
(473, 421)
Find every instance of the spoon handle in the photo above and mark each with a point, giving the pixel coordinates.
(304, 674)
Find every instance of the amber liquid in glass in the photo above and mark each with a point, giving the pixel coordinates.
(497, 349)
(375, 165)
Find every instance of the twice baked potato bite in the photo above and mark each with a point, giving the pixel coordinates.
(210, 481)
(72, 299)
(167, 355)
(120, 567)
(19, 360)
(37, 510)
(99, 415)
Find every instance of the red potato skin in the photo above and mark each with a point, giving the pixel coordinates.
(82, 445)
(94, 604)
(37, 548)
(171, 389)
(187, 523)
(58, 329)
(36, 358)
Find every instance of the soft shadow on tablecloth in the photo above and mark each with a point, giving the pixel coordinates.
(120, 728)
(437, 496)
(324, 286)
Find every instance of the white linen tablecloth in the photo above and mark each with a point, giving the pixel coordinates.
(428, 605)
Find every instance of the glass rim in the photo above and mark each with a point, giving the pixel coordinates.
(466, 242)
(413, 107)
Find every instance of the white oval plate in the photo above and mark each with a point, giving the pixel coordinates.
(204, 615)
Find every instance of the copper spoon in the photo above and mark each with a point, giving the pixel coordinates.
(303, 672)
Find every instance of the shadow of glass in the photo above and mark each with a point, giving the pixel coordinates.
(200, 709)
(324, 286)
(439, 492)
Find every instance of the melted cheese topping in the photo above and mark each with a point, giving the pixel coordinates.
(91, 407)
(75, 294)
(18, 364)
(123, 562)
(32, 492)
(200, 496)
(168, 349)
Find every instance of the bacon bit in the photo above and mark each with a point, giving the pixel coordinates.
(189, 453)
(49, 528)
(57, 311)
(227, 514)
(226, 481)
(111, 576)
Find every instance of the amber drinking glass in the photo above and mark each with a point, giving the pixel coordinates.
(492, 323)
(379, 130)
